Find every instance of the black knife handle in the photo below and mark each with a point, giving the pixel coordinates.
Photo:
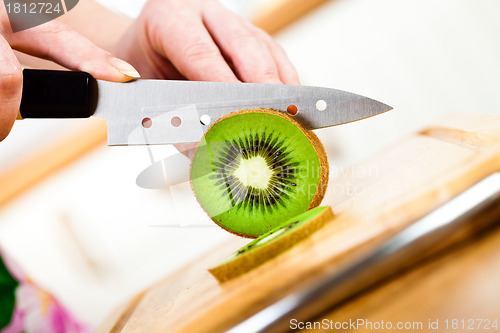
(57, 94)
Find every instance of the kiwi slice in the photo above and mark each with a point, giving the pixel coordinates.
(255, 169)
(272, 243)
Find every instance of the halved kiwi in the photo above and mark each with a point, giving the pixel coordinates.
(272, 243)
(255, 169)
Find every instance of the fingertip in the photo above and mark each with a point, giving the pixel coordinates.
(187, 149)
(287, 72)
(292, 79)
(110, 69)
(125, 68)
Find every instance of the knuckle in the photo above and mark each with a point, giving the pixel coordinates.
(245, 37)
(261, 33)
(266, 73)
(200, 51)
(11, 78)
(270, 75)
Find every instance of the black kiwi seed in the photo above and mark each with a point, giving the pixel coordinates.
(291, 225)
(248, 247)
(274, 152)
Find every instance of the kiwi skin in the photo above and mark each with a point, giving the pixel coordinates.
(245, 262)
(316, 143)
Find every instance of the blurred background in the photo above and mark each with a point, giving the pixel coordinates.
(92, 237)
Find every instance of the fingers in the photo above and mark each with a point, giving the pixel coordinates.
(287, 72)
(187, 149)
(248, 53)
(57, 42)
(201, 40)
(11, 86)
(183, 39)
(255, 56)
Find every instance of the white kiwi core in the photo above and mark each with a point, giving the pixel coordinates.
(254, 172)
(271, 236)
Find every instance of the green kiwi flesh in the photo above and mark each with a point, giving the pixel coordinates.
(255, 169)
(272, 243)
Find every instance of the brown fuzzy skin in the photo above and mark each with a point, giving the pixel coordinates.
(316, 143)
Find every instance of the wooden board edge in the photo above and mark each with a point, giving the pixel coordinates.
(120, 315)
(281, 13)
(27, 173)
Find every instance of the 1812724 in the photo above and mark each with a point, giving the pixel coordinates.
(34, 8)
(471, 324)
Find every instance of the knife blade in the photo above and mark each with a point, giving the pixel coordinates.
(143, 112)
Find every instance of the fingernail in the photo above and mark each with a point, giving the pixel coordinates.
(125, 68)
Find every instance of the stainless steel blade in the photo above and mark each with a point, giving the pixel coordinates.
(181, 111)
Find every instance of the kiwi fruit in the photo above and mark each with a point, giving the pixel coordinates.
(272, 243)
(255, 169)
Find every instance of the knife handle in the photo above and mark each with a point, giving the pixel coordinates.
(57, 94)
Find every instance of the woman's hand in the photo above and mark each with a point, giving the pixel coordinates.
(203, 41)
(53, 41)
(171, 39)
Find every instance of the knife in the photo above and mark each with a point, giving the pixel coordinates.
(143, 112)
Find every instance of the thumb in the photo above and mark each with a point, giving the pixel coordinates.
(11, 86)
(57, 42)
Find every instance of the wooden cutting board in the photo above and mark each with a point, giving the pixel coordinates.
(371, 201)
